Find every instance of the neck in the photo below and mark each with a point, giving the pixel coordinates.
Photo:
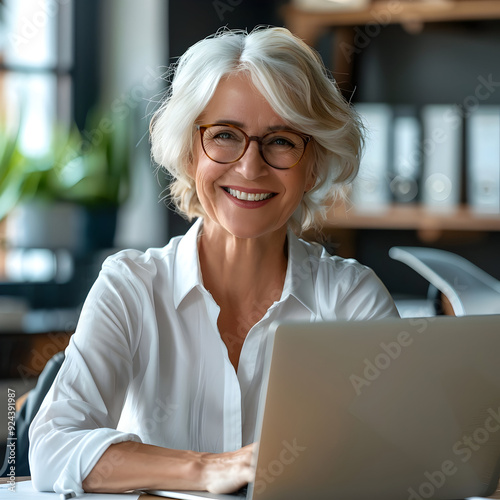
(240, 270)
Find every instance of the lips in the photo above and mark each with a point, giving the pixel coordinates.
(247, 196)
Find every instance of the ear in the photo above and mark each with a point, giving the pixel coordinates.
(310, 180)
(191, 167)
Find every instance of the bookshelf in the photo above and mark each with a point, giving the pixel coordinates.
(413, 216)
(429, 225)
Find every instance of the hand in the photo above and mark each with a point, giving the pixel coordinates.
(230, 471)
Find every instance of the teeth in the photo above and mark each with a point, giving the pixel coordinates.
(241, 195)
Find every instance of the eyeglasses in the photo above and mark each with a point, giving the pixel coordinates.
(226, 143)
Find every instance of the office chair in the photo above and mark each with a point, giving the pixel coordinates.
(469, 289)
(27, 413)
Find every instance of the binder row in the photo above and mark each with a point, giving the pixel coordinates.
(435, 155)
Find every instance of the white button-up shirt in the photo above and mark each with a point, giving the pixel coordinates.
(147, 362)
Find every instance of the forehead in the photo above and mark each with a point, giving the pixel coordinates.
(237, 100)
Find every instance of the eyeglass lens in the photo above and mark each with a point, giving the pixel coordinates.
(281, 149)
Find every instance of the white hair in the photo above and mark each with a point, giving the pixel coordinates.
(292, 78)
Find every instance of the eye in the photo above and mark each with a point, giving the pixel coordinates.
(223, 135)
(281, 142)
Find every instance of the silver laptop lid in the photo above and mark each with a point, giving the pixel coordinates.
(390, 409)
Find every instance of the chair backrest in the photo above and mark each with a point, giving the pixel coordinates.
(27, 413)
(469, 289)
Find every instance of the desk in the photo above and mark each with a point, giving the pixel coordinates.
(145, 496)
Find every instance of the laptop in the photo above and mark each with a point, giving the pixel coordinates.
(391, 409)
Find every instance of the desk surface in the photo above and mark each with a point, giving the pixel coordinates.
(145, 496)
(5, 480)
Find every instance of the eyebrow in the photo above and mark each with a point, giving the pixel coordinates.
(241, 125)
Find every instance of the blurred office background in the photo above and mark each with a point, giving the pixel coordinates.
(79, 80)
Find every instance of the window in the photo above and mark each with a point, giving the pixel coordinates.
(36, 59)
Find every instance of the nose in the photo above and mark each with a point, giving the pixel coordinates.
(251, 165)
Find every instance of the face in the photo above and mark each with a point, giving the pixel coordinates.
(279, 192)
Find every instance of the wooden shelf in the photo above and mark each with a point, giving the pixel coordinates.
(309, 25)
(413, 217)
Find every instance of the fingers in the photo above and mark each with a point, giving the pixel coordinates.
(254, 452)
(230, 471)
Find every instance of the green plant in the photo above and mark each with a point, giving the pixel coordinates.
(90, 169)
(12, 164)
(99, 172)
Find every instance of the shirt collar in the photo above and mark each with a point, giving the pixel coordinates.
(298, 279)
(299, 274)
(187, 272)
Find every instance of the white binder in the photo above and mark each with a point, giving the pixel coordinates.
(371, 190)
(406, 157)
(442, 157)
(483, 159)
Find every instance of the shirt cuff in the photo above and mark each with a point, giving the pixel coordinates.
(81, 455)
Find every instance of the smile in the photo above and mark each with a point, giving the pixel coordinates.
(242, 195)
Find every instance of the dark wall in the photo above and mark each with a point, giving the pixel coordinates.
(192, 20)
(442, 64)
(86, 69)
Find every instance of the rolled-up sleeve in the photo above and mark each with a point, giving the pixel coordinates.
(78, 419)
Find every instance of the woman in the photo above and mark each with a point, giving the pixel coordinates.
(163, 375)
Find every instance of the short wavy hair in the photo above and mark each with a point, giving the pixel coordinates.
(293, 79)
